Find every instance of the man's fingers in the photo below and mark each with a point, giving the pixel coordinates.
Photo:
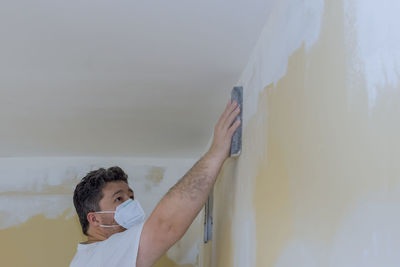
(228, 110)
(233, 128)
(231, 118)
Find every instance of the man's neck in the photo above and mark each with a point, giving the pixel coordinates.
(95, 236)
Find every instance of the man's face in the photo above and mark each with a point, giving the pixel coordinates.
(114, 193)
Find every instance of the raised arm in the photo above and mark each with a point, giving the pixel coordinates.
(179, 207)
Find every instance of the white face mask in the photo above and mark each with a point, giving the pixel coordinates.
(127, 214)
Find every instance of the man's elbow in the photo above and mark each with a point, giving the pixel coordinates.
(171, 233)
(166, 234)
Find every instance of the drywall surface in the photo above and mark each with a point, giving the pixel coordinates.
(317, 183)
(38, 219)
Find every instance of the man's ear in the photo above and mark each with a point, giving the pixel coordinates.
(92, 219)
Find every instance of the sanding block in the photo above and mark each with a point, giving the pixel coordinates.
(236, 146)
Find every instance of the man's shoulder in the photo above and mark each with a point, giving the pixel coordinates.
(118, 248)
(85, 255)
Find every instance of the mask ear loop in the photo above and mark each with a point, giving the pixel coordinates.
(103, 225)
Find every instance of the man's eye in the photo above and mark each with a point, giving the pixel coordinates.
(118, 198)
(132, 197)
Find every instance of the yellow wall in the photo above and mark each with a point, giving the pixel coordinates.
(40, 242)
(319, 167)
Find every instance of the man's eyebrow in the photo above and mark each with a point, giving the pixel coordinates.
(119, 191)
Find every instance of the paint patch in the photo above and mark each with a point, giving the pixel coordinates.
(289, 25)
(155, 175)
(33, 186)
(17, 209)
(376, 52)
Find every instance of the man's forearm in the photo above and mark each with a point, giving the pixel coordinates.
(187, 197)
(198, 181)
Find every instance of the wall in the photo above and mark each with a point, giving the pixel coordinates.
(317, 183)
(38, 223)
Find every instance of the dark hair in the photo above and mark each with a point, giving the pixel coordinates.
(88, 192)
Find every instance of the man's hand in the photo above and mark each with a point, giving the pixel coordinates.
(224, 130)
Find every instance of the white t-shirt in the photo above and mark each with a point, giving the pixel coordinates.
(119, 250)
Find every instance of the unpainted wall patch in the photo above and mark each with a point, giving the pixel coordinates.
(156, 174)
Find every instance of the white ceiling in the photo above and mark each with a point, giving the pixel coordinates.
(119, 77)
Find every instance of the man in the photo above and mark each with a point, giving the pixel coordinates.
(114, 221)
